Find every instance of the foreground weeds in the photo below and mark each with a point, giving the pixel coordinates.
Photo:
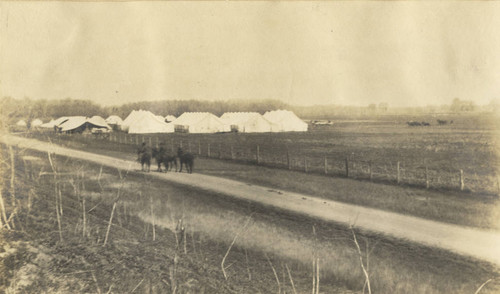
(81, 228)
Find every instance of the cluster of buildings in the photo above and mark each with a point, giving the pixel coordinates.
(145, 122)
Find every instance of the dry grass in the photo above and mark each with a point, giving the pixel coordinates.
(395, 267)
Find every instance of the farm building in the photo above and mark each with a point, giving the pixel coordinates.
(286, 120)
(78, 124)
(200, 122)
(248, 122)
(148, 123)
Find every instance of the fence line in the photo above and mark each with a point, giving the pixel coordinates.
(398, 173)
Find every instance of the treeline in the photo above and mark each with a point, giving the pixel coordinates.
(28, 109)
(178, 107)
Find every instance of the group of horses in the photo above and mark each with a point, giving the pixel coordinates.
(426, 124)
(146, 154)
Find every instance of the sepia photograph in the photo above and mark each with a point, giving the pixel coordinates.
(252, 147)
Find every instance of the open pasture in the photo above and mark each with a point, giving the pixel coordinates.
(459, 156)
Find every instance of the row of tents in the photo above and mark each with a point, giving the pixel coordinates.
(144, 122)
(141, 121)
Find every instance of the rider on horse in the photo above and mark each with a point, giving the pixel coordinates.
(144, 155)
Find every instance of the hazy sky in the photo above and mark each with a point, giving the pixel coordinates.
(402, 53)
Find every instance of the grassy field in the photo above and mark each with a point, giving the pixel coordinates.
(428, 156)
(272, 245)
(467, 209)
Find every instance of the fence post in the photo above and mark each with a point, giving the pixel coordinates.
(150, 142)
(258, 155)
(426, 177)
(346, 167)
(220, 151)
(189, 146)
(288, 159)
(326, 166)
(498, 186)
(462, 180)
(137, 143)
(208, 150)
(305, 164)
(157, 142)
(172, 145)
(399, 174)
(370, 169)
(232, 152)
(199, 147)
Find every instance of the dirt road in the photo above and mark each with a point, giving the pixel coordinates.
(481, 244)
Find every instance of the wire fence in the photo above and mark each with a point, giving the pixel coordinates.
(284, 158)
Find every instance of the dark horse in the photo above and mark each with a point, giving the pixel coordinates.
(144, 155)
(162, 156)
(186, 159)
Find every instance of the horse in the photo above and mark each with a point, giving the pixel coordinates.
(144, 155)
(163, 157)
(186, 159)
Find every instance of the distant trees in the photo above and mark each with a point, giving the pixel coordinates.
(458, 105)
(378, 109)
(178, 107)
(28, 109)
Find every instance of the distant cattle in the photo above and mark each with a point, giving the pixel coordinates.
(444, 122)
(413, 123)
(418, 124)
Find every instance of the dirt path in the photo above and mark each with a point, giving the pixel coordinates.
(477, 243)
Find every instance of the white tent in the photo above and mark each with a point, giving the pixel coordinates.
(248, 122)
(97, 121)
(149, 123)
(132, 117)
(170, 118)
(36, 123)
(81, 123)
(21, 123)
(51, 124)
(72, 123)
(287, 121)
(200, 122)
(114, 120)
